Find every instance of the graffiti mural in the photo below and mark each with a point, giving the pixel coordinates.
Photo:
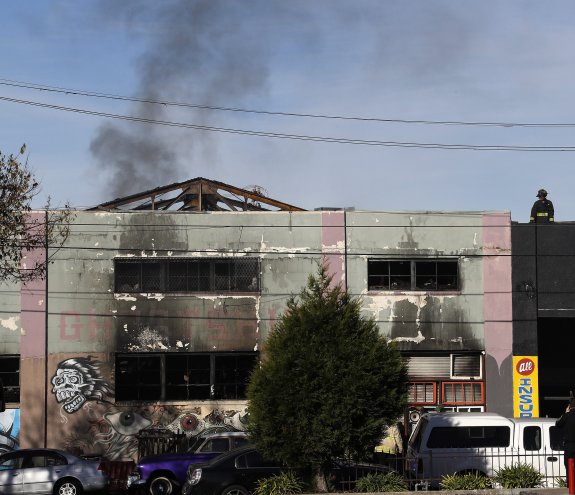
(9, 430)
(78, 380)
(113, 431)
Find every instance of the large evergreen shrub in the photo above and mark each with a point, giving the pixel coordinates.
(328, 381)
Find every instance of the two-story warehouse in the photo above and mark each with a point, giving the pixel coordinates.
(158, 305)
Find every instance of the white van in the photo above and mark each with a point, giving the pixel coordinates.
(457, 443)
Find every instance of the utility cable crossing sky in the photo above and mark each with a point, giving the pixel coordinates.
(324, 139)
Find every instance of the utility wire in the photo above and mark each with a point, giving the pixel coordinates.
(55, 89)
(299, 137)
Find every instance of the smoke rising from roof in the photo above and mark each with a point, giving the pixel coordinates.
(197, 51)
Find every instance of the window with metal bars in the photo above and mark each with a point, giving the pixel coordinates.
(10, 377)
(183, 376)
(462, 393)
(187, 275)
(413, 275)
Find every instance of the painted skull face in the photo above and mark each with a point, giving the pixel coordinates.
(68, 385)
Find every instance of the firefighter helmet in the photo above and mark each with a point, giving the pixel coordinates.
(542, 193)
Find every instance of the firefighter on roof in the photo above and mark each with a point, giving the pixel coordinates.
(542, 211)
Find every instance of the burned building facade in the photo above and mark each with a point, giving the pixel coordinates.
(151, 317)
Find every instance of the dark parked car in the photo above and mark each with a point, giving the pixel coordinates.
(49, 472)
(238, 472)
(164, 474)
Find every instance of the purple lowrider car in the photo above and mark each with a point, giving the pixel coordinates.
(165, 474)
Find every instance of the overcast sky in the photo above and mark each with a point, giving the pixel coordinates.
(378, 63)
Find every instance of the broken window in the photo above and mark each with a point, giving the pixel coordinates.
(413, 275)
(183, 376)
(187, 275)
(10, 377)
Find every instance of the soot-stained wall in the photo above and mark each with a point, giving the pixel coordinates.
(88, 322)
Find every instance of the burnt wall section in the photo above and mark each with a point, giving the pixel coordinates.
(184, 324)
(418, 320)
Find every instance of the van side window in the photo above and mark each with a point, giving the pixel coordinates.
(461, 437)
(532, 438)
(556, 438)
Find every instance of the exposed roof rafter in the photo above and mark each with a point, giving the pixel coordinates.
(197, 194)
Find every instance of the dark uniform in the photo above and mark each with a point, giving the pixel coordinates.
(567, 423)
(542, 211)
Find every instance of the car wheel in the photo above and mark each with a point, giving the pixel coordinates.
(162, 485)
(236, 490)
(67, 487)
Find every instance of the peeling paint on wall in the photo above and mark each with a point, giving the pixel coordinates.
(10, 323)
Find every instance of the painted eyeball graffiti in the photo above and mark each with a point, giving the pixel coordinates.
(189, 422)
(127, 422)
(127, 418)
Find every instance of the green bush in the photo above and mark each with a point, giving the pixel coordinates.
(519, 476)
(381, 482)
(279, 484)
(468, 481)
(560, 482)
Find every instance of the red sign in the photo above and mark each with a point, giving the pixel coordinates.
(525, 366)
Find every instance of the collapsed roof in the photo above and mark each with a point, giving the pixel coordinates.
(198, 194)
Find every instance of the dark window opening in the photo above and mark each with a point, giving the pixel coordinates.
(179, 376)
(10, 377)
(420, 275)
(187, 275)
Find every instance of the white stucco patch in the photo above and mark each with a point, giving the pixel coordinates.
(157, 297)
(420, 338)
(124, 297)
(10, 323)
(153, 254)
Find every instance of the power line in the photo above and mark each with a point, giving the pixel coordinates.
(93, 94)
(298, 137)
